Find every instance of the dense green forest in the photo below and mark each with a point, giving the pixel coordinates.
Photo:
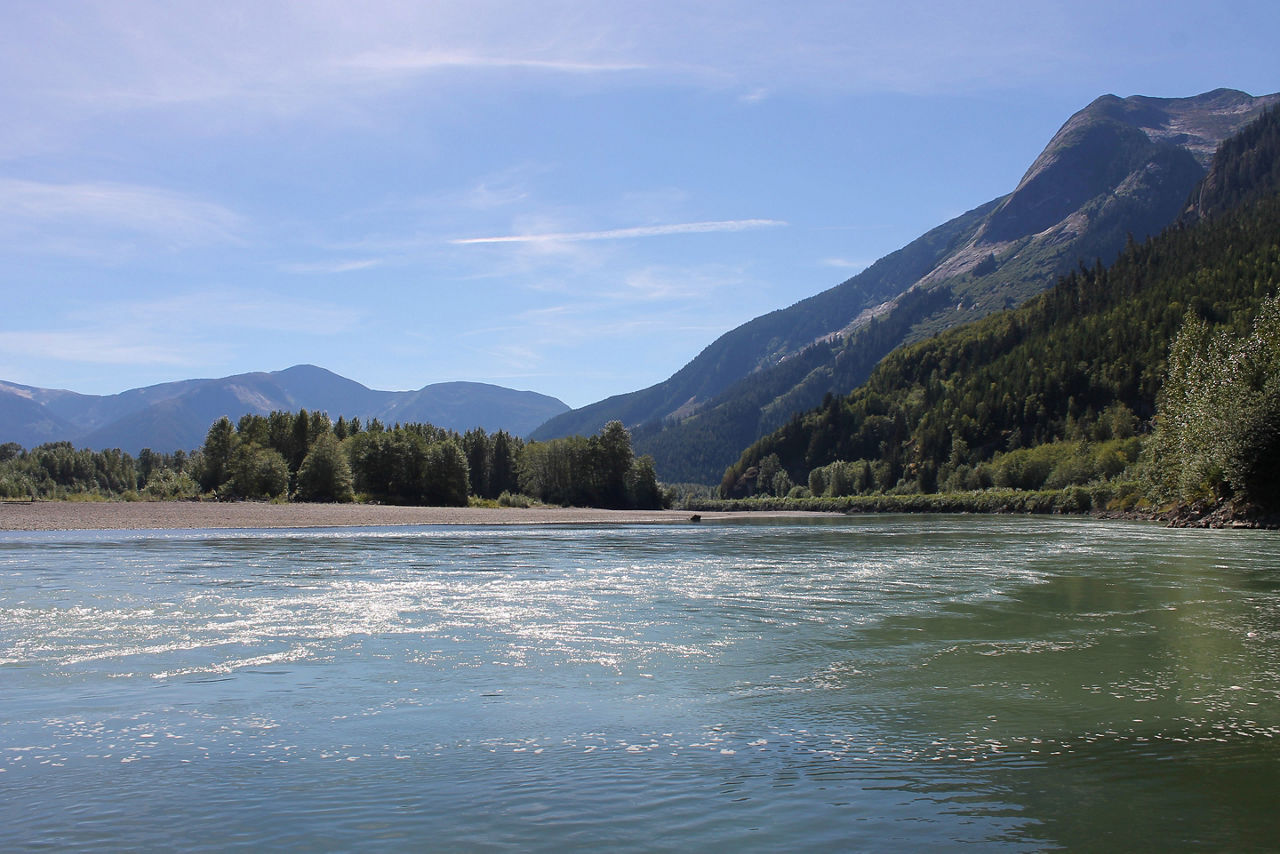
(760, 402)
(307, 457)
(1064, 390)
(1106, 174)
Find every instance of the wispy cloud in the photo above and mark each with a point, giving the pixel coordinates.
(144, 333)
(402, 61)
(675, 284)
(844, 263)
(564, 326)
(226, 310)
(626, 233)
(246, 59)
(94, 347)
(508, 186)
(332, 267)
(41, 215)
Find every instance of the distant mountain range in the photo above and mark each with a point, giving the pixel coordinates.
(176, 416)
(1121, 168)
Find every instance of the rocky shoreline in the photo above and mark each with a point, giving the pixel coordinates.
(1220, 516)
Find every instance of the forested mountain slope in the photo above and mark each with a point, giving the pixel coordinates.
(1084, 360)
(1118, 167)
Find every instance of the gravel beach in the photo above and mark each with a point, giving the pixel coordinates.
(80, 516)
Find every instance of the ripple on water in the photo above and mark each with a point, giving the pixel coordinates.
(854, 683)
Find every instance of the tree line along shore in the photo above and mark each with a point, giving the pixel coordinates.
(307, 457)
(1150, 387)
(1209, 455)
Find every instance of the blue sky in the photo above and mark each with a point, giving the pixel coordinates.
(568, 197)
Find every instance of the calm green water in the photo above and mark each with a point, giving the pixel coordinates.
(879, 683)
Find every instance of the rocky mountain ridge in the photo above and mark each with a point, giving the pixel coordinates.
(1121, 168)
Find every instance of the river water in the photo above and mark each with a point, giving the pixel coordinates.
(874, 683)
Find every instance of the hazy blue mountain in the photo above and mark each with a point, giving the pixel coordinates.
(463, 405)
(25, 419)
(1120, 167)
(177, 415)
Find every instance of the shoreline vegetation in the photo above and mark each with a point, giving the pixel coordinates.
(1076, 501)
(304, 471)
(307, 458)
(310, 472)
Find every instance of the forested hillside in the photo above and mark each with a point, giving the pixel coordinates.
(1119, 167)
(1083, 363)
(307, 457)
(1246, 169)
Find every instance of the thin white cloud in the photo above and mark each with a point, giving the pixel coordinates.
(228, 310)
(332, 267)
(36, 214)
(402, 61)
(559, 327)
(238, 60)
(674, 284)
(144, 333)
(626, 233)
(844, 263)
(502, 188)
(93, 347)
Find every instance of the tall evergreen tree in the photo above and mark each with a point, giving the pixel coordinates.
(219, 444)
(325, 473)
(504, 475)
(613, 447)
(478, 447)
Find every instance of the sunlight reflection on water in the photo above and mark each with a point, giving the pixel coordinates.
(866, 683)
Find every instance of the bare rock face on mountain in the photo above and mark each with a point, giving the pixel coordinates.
(1121, 168)
(1119, 162)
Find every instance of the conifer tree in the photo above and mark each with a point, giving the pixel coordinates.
(325, 474)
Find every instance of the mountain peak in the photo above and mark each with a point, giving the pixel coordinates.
(305, 370)
(177, 415)
(1197, 123)
(1111, 139)
(1118, 167)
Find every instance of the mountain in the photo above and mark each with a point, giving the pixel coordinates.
(27, 419)
(1245, 170)
(1086, 359)
(1119, 168)
(176, 415)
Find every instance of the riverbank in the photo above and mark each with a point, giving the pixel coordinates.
(140, 515)
(1072, 501)
(1100, 502)
(178, 515)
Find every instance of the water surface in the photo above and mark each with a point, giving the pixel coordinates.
(872, 683)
